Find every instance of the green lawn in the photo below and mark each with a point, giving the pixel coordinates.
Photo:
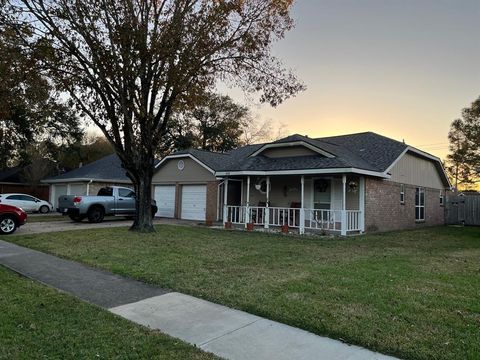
(413, 294)
(39, 322)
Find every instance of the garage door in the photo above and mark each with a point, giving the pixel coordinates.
(194, 200)
(58, 190)
(78, 189)
(165, 198)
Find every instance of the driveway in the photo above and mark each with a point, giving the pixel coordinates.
(67, 224)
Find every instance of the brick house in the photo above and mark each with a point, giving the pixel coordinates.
(342, 184)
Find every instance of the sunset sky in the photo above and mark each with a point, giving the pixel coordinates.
(401, 68)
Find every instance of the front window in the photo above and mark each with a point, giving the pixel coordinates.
(419, 204)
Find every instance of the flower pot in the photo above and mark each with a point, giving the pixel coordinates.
(209, 223)
(228, 225)
(285, 229)
(250, 226)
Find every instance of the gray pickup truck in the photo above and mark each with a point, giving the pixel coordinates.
(115, 200)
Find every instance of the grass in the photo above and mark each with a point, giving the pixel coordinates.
(39, 322)
(413, 294)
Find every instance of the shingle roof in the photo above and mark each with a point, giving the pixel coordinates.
(11, 175)
(106, 168)
(367, 151)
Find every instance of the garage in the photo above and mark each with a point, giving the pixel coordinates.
(165, 198)
(58, 190)
(194, 200)
(78, 189)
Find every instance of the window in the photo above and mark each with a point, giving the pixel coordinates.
(402, 194)
(107, 191)
(419, 204)
(126, 193)
(15, 197)
(441, 198)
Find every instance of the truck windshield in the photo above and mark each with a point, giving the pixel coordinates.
(105, 192)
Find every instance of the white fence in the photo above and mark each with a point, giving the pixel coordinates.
(314, 219)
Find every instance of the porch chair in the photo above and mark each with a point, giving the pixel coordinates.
(294, 214)
(257, 214)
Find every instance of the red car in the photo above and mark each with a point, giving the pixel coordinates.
(11, 217)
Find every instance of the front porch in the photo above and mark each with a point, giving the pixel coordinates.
(330, 203)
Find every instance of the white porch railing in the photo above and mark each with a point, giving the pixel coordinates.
(313, 219)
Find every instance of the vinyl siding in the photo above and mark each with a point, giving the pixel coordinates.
(193, 172)
(290, 151)
(413, 170)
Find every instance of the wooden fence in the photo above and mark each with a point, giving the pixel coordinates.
(463, 209)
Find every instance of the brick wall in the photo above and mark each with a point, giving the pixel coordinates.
(384, 212)
(212, 201)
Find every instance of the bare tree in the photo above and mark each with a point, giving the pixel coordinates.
(128, 64)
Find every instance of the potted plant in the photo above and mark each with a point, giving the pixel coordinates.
(285, 228)
(250, 226)
(228, 225)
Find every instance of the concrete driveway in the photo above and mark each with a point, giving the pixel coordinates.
(110, 221)
(67, 224)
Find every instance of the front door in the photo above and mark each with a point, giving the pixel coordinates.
(126, 201)
(322, 194)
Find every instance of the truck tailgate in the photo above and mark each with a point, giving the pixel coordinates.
(65, 201)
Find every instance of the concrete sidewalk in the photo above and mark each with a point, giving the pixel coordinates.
(226, 332)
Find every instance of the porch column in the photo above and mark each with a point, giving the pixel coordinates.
(344, 205)
(267, 210)
(247, 207)
(361, 203)
(225, 196)
(302, 206)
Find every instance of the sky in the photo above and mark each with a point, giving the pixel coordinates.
(401, 68)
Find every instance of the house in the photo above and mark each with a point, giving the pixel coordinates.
(88, 179)
(343, 184)
(13, 180)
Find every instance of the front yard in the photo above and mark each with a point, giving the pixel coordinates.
(413, 294)
(37, 322)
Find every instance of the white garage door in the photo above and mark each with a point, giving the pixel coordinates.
(165, 198)
(194, 200)
(58, 190)
(78, 189)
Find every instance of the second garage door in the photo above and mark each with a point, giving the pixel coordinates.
(194, 201)
(165, 198)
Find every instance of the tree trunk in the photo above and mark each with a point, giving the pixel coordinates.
(143, 191)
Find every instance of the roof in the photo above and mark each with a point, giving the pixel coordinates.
(108, 168)
(12, 175)
(368, 152)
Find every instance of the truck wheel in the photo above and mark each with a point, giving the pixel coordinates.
(8, 225)
(96, 214)
(76, 218)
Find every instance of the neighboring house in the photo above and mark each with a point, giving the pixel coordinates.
(88, 179)
(345, 184)
(12, 180)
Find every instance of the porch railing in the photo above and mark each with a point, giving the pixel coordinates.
(314, 219)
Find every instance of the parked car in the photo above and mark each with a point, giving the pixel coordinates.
(115, 200)
(11, 217)
(26, 202)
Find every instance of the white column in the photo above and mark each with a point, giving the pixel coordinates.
(302, 206)
(267, 210)
(225, 196)
(344, 205)
(247, 205)
(361, 203)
